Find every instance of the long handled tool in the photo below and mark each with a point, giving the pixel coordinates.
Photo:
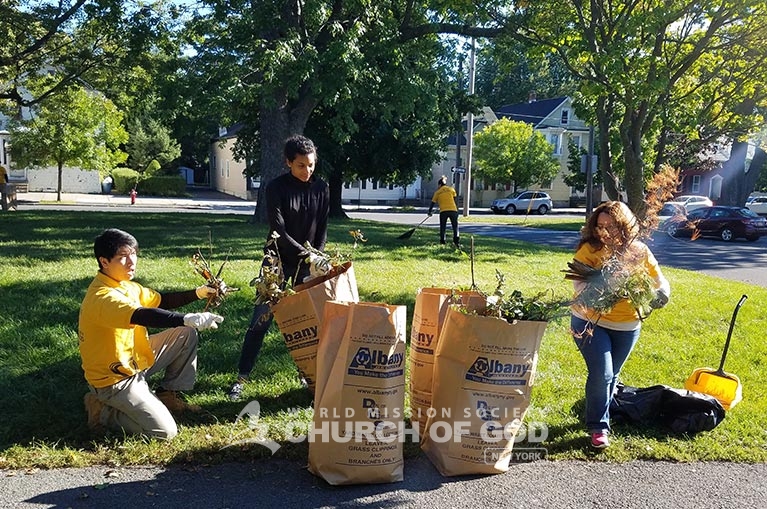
(411, 231)
(725, 387)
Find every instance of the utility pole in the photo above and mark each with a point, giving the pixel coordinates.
(459, 133)
(469, 130)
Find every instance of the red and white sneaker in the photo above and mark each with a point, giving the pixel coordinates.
(599, 440)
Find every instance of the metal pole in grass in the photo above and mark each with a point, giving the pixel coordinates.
(473, 284)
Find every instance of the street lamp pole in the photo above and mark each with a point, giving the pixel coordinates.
(469, 130)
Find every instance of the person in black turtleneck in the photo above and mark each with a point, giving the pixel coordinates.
(297, 204)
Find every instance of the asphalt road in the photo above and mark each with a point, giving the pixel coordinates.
(541, 484)
(287, 484)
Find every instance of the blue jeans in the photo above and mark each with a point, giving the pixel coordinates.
(259, 325)
(604, 352)
(254, 339)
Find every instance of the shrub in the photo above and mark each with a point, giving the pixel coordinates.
(162, 185)
(125, 179)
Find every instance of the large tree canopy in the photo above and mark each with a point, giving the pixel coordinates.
(276, 63)
(640, 64)
(67, 37)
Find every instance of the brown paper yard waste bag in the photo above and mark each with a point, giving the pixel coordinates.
(298, 316)
(483, 371)
(357, 434)
(428, 316)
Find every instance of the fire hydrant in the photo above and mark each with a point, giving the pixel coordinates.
(133, 195)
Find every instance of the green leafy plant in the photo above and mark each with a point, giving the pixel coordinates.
(514, 306)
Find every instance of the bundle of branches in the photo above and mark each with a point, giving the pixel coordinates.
(514, 306)
(618, 279)
(272, 284)
(202, 267)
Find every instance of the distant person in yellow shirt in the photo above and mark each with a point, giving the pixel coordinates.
(444, 198)
(3, 175)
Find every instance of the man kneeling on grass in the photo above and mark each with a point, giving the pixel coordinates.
(119, 355)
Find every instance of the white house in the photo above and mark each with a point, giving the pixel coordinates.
(226, 171)
(552, 117)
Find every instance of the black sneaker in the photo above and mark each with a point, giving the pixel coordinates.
(236, 390)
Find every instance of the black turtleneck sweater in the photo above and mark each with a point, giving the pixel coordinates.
(298, 212)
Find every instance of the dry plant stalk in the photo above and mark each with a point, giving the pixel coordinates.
(272, 284)
(202, 267)
(660, 189)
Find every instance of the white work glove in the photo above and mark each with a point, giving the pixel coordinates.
(318, 265)
(205, 291)
(203, 321)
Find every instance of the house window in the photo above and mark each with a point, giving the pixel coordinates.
(375, 184)
(391, 187)
(576, 140)
(695, 184)
(227, 169)
(565, 116)
(554, 140)
(364, 184)
(546, 185)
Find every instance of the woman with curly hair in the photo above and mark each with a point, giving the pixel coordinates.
(618, 277)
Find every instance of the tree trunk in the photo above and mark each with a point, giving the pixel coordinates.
(633, 179)
(279, 119)
(754, 170)
(58, 187)
(336, 184)
(734, 187)
(610, 183)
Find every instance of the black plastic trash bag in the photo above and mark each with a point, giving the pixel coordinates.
(678, 410)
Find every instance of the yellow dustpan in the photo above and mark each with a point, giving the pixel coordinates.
(725, 387)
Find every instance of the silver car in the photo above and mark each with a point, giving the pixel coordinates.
(525, 201)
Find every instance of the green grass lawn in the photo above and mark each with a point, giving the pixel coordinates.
(549, 222)
(46, 263)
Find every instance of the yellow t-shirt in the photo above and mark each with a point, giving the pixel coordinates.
(444, 197)
(3, 175)
(111, 348)
(623, 316)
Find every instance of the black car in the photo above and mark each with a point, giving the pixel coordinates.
(727, 223)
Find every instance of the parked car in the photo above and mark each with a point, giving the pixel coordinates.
(532, 201)
(727, 223)
(669, 214)
(691, 202)
(758, 204)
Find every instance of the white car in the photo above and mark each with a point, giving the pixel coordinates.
(758, 204)
(671, 213)
(526, 201)
(691, 202)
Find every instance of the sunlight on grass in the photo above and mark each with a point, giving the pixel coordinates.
(46, 263)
